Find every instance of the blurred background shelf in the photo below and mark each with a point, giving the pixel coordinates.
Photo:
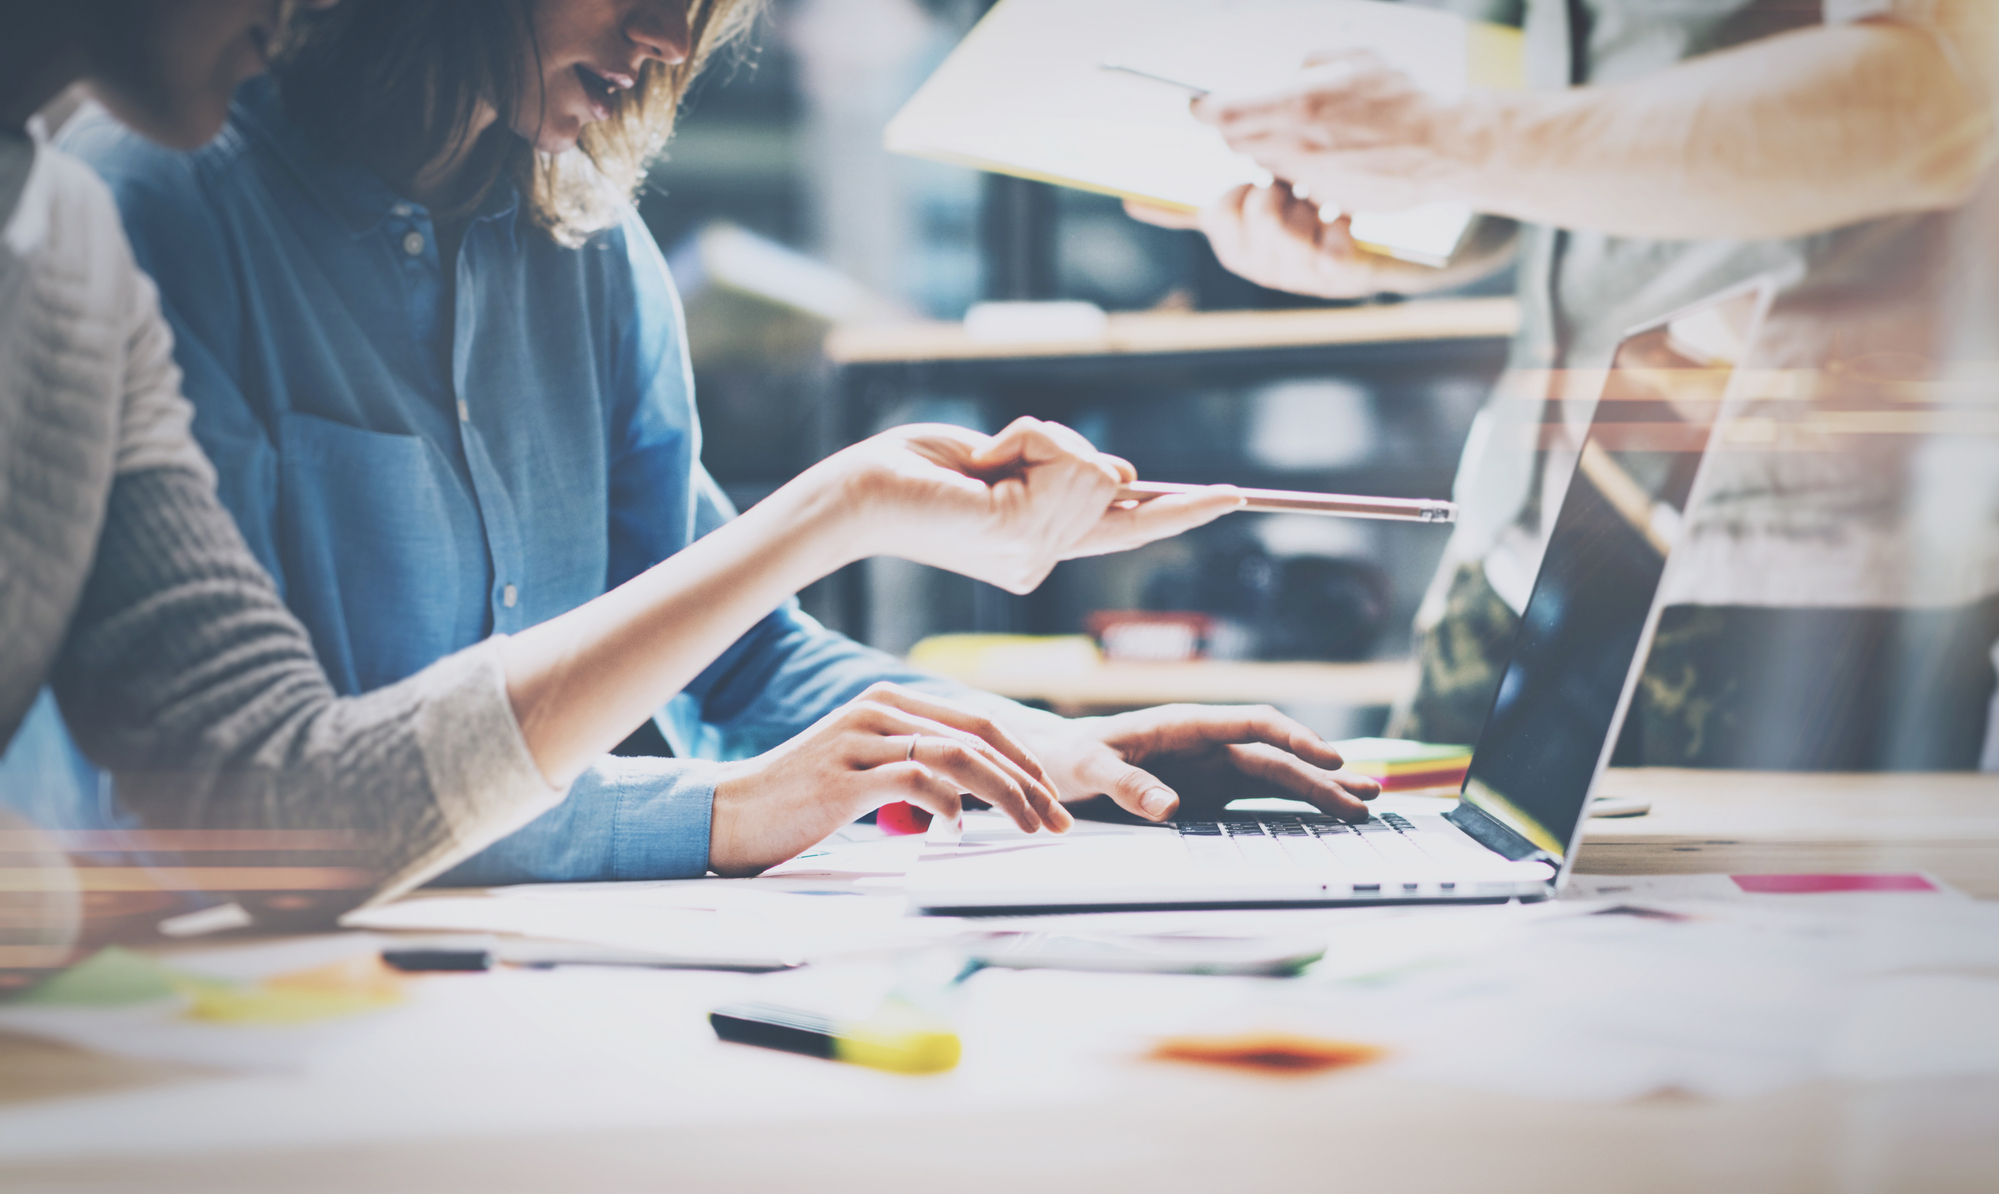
(1108, 687)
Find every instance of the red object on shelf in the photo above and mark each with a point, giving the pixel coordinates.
(900, 818)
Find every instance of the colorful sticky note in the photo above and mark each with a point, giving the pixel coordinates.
(117, 977)
(111, 977)
(1268, 1052)
(352, 985)
(1405, 766)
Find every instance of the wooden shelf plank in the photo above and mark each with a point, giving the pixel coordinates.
(1128, 685)
(1155, 332)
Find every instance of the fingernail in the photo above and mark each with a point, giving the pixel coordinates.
(1156, 802)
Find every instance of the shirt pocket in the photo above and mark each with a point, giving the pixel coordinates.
(384, 557)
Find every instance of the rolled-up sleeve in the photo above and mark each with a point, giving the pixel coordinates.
(624, 818)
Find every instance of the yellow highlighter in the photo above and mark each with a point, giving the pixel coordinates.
(897, 1038)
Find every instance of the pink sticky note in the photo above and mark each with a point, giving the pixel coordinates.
(1820, 884)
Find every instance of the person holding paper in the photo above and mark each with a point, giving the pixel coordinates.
(440, 364)
(1825, 612)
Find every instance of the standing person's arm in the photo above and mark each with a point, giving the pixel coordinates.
(1793, 134)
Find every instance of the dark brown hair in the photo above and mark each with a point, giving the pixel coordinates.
(393, 85)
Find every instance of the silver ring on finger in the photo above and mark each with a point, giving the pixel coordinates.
(913, 740)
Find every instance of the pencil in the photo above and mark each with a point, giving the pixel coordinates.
(1285, 501)
(1194, 89)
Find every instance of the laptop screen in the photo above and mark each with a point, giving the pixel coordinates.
(1559, 704)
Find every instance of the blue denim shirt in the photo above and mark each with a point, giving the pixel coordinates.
(421, 466)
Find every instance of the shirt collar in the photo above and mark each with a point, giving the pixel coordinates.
(25, 225)
(357, 198)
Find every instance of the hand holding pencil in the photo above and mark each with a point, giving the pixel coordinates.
(1285, 501)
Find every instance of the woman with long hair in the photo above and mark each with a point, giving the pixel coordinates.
(441, 366)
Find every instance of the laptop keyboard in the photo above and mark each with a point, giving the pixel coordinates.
(1386, 845)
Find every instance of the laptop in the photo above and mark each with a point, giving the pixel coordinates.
(1514, 827)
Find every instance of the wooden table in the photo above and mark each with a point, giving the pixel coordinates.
(1160, 1128)
(1753, 822)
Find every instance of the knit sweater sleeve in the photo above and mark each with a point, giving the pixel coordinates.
(178, 668)
(186, 676)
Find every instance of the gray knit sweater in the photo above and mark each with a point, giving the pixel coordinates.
(125, 585)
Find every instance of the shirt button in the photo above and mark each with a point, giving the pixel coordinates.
(509, 596)
(403, 209)
(464, 412)
(413, 244)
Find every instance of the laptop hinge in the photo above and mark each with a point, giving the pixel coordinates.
(1494, 836)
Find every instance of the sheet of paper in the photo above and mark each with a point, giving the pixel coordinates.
(1722, 1000)
(1598, 1000)
(1242, 47)
(720, 923)
(1028, 93)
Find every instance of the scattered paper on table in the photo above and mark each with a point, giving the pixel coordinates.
(1737, 887)
(766, 923)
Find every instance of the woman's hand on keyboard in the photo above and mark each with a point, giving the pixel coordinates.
(889, 743)
(1194, 759)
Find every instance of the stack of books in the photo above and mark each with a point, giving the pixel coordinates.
(1408, 767)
